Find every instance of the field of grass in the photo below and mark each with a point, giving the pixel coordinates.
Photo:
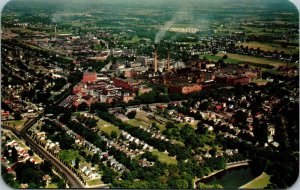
(260, 81)
(107, 127)
(163, 157)
(68, 155)
(217, 58)
(258, 183)
(252, 59)
(269, 47)
(134, 39)
(98, 47)
(52, 186)
(136, 123)
(145, 122)
(142, 117)
(16, 122)
(93, 182)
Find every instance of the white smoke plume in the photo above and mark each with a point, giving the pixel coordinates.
(164, 29)
(55, 18)
(185, 13)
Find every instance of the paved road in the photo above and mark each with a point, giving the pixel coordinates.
(71, 177)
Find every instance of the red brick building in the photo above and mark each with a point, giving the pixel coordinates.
(232, 80)
(127, 84)
(89, 77)
(184, 89)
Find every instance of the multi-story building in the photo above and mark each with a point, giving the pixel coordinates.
(127, 84)
(89, 77)
(184, 88)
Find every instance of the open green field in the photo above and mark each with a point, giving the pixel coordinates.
(136, 123)
(93, 182)
(98, 47)
(68, 155)
(134, 39)
(252, 59)
(258, 183)
(145, 122)
(52, 186)
(107, 127)
(269, 47)
(16, 123)
(217, 58)
(163, 157)
(260, 82)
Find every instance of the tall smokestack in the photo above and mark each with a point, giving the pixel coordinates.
(55, 28)
(155, 59)
(168, 63)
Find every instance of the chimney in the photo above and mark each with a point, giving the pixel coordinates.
(168, 63)
(155, 59)
(55, 30)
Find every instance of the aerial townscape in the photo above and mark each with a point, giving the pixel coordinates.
(160, 94)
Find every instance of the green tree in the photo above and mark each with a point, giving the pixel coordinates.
(131, 115)
(154, 125)
(214, 51)
(170, 125)
(61, 184)
(17, 115)
(46, 167)
(201, 129)
(113, 134)
(98, 106)
(77, 160)
(82, 107)
(95, 158)
(14, 154)
(109, 175)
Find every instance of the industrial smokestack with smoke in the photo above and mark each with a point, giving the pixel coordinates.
(164, 29)
(155, 59)
(185, 13)
(168, 61)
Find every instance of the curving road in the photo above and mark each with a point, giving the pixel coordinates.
(71, 177)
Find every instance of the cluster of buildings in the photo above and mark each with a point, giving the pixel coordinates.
(205, 75)
(100, 88)
(90, 172)
(130, 138)
(23, 154)
(90, 147)
(9, 141)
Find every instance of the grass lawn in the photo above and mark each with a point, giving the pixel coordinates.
(68, 155)
(163, 157)
(260, 82)
(107, 127)
(93, 182)
(52, 186)
(97, 47)
(269, 47)
(217, 58)
(136, 123)
(134, 39)
(142, 117)
(252, 59)
(258, 183)
(16, 122)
